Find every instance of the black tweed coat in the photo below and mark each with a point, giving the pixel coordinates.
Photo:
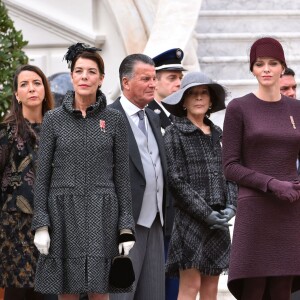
(198, 185)
(82, 193)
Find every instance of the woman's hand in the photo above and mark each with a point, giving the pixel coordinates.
(126, 241)
(125, 247)
(284, 190)
(228, 212)
(217, 221)
(42, 240)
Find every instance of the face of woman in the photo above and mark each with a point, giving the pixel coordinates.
(86, 77)
(267, 70)
(197, 101)
(30, 91)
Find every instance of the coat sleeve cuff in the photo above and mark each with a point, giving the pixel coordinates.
(126, 237)
(231, 206)
(39, 220)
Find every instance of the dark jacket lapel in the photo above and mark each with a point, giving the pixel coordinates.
(134, 153)
(164, 119)
(155, 125)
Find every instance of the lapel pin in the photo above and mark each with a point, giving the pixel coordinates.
(102, 125)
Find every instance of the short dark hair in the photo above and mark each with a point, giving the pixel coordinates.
(288, 72)
(128, 64)
(212, 95)
(94, 56)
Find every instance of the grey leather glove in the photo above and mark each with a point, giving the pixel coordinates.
(228, 212)
(217, 221)
(284, 190)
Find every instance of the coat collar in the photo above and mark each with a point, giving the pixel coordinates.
(187, 127)
(69, 99)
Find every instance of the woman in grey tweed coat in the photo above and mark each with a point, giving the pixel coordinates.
(204, 200)
(82, 194)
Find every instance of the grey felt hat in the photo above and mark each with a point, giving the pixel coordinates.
(173, 102)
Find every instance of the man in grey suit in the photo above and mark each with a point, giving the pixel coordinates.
(147, 175)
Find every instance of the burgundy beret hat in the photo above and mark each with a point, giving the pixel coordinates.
(266, 47)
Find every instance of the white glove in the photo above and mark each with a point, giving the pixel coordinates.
(42, 240)
(126, 247)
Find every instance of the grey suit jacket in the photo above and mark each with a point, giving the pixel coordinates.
(137, 177)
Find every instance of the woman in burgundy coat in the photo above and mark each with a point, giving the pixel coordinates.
(261, 143)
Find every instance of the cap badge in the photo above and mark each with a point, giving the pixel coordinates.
(178, 53)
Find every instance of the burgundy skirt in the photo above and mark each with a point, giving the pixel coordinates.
(266, 239)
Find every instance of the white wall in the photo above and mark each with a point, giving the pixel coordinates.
(119, 27)
(51, 26)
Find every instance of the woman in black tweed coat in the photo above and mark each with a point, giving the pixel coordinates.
(204, 200)
(83, 212)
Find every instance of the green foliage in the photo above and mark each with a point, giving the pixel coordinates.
(11, 56)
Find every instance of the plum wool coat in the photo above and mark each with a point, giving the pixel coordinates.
(260, 142)
(198, 185)
(82, 194)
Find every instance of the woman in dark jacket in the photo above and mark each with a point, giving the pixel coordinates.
(83, 212)
(261, 145)
(204, 200)
(19, 142)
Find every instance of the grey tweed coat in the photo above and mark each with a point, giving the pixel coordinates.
(82, 193)
(198, 185)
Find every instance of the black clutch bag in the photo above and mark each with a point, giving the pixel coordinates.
(121, 272)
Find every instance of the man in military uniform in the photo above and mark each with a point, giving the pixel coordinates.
(168, 74)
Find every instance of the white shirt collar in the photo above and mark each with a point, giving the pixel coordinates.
(128, 106)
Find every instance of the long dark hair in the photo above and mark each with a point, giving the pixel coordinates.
(15, 116)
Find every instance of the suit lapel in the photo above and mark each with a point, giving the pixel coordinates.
(134, 152)
(165, 121)
(158, 136)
